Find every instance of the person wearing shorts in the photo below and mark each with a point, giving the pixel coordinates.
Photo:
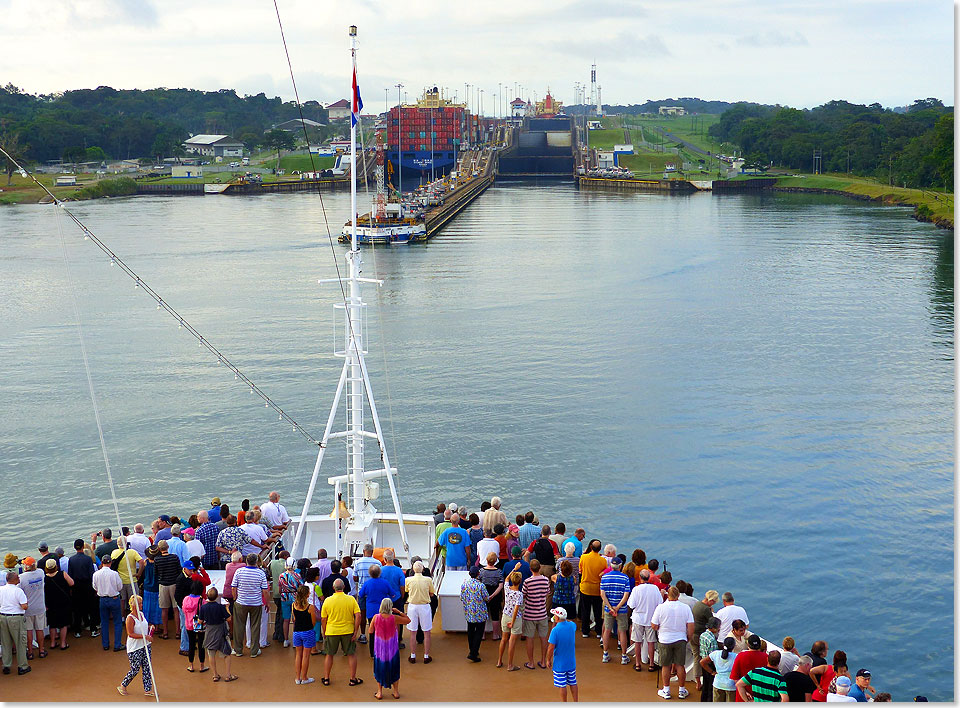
(340, 620)
(511, 621)
(673, 622)
(614, 593)
(304, 638)
(536, 591)
(640, 635)
(419, 591)
(561, 653)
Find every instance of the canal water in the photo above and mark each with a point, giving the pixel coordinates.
(758, 391)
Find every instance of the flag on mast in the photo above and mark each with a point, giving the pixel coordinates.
(356, 104)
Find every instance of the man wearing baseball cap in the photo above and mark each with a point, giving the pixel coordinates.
(561, 653)
(163, 525)
(862, 687)
(213, 513)
(843, 689)
(45, 555)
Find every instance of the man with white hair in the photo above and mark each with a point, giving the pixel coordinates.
(800, 686)
(138, 541)
(274, 513)
(494, 516)
(419, 591)
(177, 545)
(609, 552)
(843, 690)
(727, 614)
(206, 533)
(13, 628)
(644, 598)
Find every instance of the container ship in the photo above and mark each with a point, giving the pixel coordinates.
(424, 139)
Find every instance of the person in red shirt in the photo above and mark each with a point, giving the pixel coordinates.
(826, 673)
(500, 536)
(200, 573)
(653, 565)
(747, 661)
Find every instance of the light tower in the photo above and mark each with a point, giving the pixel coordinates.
(381, 201)
(594, 98)
(599, 104)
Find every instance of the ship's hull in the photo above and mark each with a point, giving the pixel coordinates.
(388, 234)
(417, 162)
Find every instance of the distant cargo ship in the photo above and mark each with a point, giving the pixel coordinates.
(426, 136)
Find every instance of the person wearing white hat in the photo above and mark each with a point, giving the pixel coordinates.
(561, 653)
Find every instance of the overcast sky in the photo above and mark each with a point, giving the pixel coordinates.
(793, 52)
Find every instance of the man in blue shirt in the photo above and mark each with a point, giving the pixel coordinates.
(530, 531)
(561, 653)
(214, 511)
(456, 541)
(615, 589)
(862, 687)
(576, 540)
(395, 576)
(372, 593)
(516, 563)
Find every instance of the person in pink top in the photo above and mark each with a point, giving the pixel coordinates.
(236, 562)
(195, 628)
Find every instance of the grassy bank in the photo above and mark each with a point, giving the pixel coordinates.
(25, 191)
(934, 207)
(302, 162)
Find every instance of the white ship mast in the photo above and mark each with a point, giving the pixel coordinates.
(355, 514)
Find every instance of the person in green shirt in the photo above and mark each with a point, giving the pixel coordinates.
(277, 566)
(764, 684)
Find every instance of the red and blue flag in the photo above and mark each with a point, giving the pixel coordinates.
(357, 103)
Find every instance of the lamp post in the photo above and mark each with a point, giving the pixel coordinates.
(399, 147)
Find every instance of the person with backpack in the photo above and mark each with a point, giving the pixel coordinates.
(196, 629)
(545, 550)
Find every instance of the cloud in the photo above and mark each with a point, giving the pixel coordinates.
(104, 14)
(774, 38)
(624, 45)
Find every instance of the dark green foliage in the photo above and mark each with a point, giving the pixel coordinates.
(133, 123)
(912, 149)
(119, 187)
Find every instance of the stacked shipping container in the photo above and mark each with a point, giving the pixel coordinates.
(416, 126)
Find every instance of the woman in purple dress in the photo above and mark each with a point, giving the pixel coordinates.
(386, 647)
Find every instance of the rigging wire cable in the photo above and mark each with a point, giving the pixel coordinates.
(323, 210)
(96, 415)
(163, 305)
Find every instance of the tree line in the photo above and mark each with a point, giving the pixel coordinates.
(911, 147)
(105, 123)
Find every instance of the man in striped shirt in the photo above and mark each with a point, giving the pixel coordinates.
(614, 592)
(536, 590)
(251, 588)
(764, 684)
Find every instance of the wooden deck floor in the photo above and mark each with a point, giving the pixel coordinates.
(87, 673)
